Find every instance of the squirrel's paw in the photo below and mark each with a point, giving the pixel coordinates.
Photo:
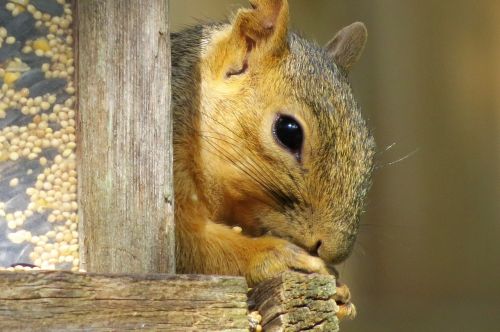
(347, 310)
(282, 256)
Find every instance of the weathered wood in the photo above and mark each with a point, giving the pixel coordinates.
(65, 301)
(296, 302)
(124, 137)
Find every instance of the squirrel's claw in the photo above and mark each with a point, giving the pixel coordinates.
(346, 310)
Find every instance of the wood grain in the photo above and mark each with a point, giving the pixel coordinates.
(65, 301)
(296, 302)
(125, 137)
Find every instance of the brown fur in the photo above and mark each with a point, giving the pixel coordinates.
(229, 82)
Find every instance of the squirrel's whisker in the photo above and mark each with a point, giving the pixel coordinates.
(274, 194)
(409, 155)
(256, 172)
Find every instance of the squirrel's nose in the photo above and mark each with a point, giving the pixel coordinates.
(314, 250)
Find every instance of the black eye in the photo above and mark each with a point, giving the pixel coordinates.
(288, 133)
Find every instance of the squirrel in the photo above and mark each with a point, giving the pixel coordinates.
(267, 137)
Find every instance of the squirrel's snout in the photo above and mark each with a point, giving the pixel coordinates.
(314, 250)
(333, 251)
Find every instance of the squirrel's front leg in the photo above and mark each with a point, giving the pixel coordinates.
(211, 248)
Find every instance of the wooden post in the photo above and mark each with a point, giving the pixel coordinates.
(296, 302)
(125, 134)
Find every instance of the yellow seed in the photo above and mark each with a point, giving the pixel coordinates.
(59, 238)
(19, 9)
(14, 182)
(68, 237)
(53, 253)
(44, 105)
(10, 40)
(19, 222)
(41, 44)
(11, 77)
(27, 49)
(13, 156)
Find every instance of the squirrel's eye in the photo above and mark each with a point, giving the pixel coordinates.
(288, 132)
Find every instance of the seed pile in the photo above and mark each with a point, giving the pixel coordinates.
(38, 180)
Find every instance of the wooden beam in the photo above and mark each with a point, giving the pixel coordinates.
(125, 137)
(59, 300)
(68, 301)
(296, 302)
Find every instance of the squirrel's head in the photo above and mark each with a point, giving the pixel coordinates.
(284, 145)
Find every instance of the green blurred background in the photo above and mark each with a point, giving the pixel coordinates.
(428, 254)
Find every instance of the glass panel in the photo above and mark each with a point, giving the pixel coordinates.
(38, 183)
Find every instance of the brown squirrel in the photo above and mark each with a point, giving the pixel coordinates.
(267, 137)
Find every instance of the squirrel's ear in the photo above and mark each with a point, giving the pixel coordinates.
(347, 45)
(265, 24)
(256, 33)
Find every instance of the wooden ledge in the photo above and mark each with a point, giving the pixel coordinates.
(65, 301)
